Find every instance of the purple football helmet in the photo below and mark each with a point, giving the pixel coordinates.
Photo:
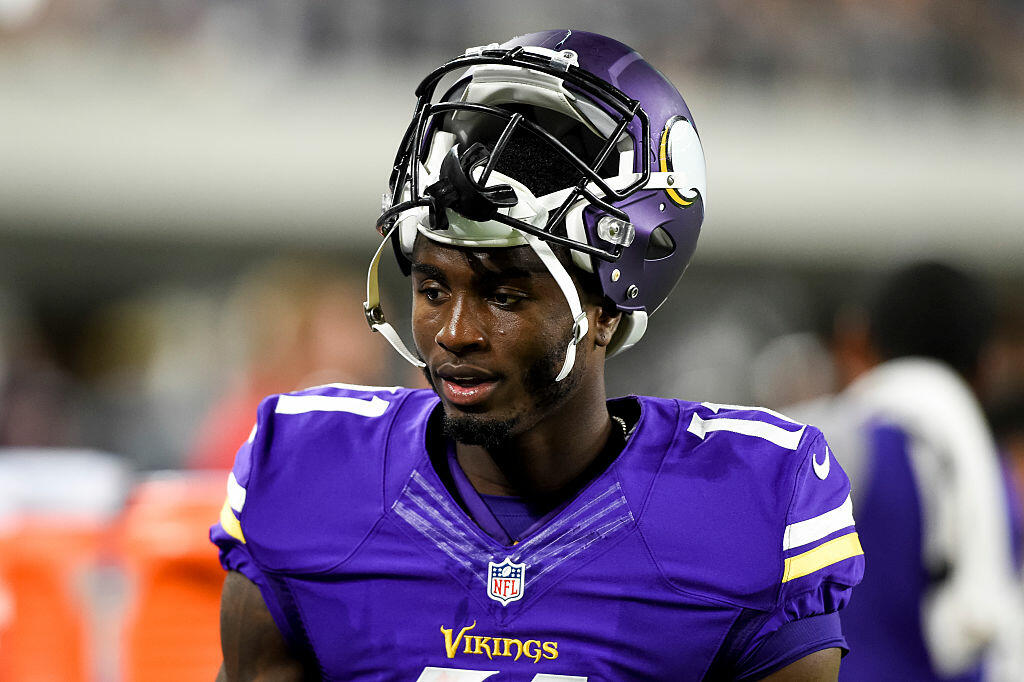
(632, 194)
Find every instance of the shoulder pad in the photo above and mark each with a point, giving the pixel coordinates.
(309, 483)
(719, 508)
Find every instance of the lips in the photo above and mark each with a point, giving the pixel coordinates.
(465, 385)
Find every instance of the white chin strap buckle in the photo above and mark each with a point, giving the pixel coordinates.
(580, 327)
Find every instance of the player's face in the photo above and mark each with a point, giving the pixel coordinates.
(492, 326)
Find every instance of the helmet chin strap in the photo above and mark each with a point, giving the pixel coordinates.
(580, 323)
(373, 311)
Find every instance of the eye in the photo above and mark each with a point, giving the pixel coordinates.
(431, 292)
(503, 298)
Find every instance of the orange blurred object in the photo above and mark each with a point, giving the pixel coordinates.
(171, 630)
(43, 626)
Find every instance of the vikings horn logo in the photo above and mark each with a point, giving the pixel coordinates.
(505, 581)
(676, 155)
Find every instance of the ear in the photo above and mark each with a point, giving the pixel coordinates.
(604, 320)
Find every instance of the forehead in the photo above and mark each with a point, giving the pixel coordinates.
(504, 262)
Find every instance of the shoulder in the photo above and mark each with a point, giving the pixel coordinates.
(310, 452)
(331, 403)
(738, 493)
(725, 447)
(294, 425)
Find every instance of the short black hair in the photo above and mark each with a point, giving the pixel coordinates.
(933, 310)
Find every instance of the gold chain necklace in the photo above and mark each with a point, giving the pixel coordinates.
(622, 424)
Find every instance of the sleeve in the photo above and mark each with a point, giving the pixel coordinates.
(229, 537)
(822, 561)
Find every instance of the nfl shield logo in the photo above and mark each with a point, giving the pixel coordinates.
(505, 581)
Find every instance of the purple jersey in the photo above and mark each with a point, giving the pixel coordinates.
(719, 544)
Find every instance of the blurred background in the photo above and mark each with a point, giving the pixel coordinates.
(187, 198)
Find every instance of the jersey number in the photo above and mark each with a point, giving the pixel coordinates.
(431, 674)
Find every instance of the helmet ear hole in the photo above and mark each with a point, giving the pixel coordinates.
(660, 245)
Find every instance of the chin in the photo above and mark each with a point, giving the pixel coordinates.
(490, 433)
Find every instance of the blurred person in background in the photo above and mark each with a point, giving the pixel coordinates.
(299, 329)
(38, 398)
(928, 490)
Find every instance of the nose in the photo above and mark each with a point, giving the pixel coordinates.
(461, 331)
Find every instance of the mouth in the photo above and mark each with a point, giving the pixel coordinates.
(465, 387)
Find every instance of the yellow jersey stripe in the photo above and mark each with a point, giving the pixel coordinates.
(821, 556)
(229, 523)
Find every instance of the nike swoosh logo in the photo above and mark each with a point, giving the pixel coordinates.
(821, 470)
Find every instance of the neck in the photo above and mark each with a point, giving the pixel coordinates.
(546, 458)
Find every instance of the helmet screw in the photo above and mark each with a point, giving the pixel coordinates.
(615, 275)
(568, 54)
(632, 291)
(661, 207)
(671, 180)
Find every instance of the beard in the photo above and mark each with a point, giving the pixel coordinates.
(497, 434)
(489, 433)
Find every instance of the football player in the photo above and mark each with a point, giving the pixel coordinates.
(513, 523)
(928, 485)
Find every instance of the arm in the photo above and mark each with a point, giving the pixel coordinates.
(801, 637)
(252, 646)
(817, 667)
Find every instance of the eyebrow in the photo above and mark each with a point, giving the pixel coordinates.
(431, 271)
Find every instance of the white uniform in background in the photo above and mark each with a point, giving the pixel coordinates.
(972, 611)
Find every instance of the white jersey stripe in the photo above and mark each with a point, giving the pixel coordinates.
(715, 407)
(236, 493)
(805, 532)
(299, 404)
(747, 427)
(358, 387)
